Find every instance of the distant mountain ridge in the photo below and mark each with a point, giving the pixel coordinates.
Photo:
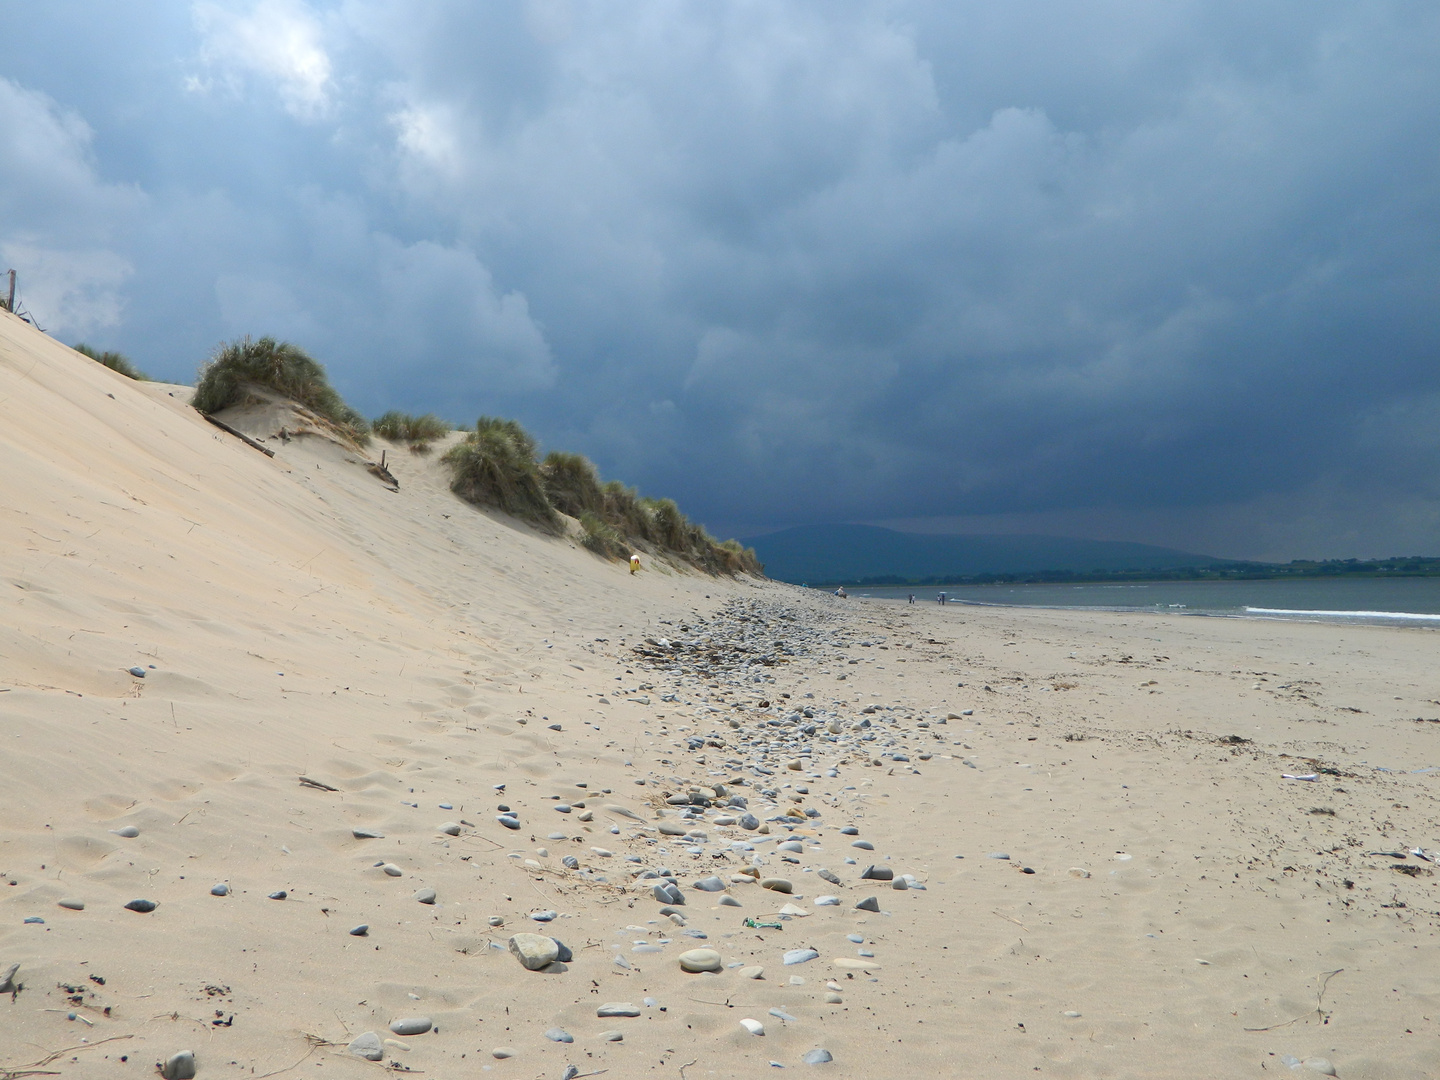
(821, 554)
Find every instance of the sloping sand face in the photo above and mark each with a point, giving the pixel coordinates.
(1170, 905)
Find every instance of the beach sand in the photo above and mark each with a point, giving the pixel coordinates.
(1171, 905)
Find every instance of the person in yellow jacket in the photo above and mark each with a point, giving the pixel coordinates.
(634, 563)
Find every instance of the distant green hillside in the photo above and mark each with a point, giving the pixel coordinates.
(821, 554)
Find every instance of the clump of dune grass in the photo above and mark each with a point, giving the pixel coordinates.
(572, 485)
(495, 466)
(114, 361)
(418, 431)
(601, 537)
(225, 379)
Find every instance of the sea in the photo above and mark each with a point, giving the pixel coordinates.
(1378, 601)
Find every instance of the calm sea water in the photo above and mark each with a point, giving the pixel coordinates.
(1393, 601)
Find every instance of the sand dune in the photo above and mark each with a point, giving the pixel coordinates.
(1170, 906)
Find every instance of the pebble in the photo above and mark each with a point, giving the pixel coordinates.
(508, 821)
(426, 896)
(1320, 1065)
(728, 901)
(754, 1027)
(503, 1052)
(7, 979)
(830, 876)
(570, 862)
(698, 960)
(793, 846)
(863, 845)
(858, 939)
(833, 998)
(141, 905)
(799, 956)
(877, 873)
(72, 903)
(827, 901)
(360, 931)
(781, 1014)
(449, 828)
(617, 1008)
(1079, 872)
(544, 916)
(849, 830)
(128, 831)
(411, 1025)
(755, 971)
(900, 884)
(709, 884)
(278, 894)
(818, 1056)
(777, 884)
(1071, 1014)
(368, 1046)
(534, 951)
(749, 822)
(367, 834)
(853, 964)
(870, 903)
(220, 890)
(998, 855)
(34, 920)
(393, 870)
(179, 1066)
(612, 1036)
(559, 1035)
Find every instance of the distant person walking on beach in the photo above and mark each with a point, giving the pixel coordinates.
(634, 563)
(840, 592)
(912, 598)
(940, 599)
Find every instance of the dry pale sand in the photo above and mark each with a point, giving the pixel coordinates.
(1171, 906)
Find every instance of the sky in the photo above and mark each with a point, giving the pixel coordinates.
(1123, 270)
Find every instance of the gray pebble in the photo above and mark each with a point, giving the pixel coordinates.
(508, 821)
(559, 1035)
(220, 890)
(127, 831)
(710, 884)
(900, 884)
(570, 862)
(749, 822)
(426, 896)
(544, 916)
(360, 931)
(179, 1066)
(367, 834)
(139, 673)
(818, 1056)
(998, 855)
(393, 870)
(870, 903)
(279, 894)
(617, 1008)
(829, 876)
(449, 828)
(612, 1036)
(141, 905)
(411, 1025)
(863, 845)
(782, 1015)
(877, 873)
(849, 830)
(72, 903)
(367, 1046)
(799, 956)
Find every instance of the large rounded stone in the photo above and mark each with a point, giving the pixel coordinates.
(697, 960)
(534, 951)
(367, 1046)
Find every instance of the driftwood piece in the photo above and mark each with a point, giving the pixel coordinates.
(382, 472)
(305, 781)
(239, 435)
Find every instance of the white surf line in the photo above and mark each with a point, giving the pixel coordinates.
(1345, 614)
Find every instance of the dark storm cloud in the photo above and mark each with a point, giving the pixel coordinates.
(785, 262)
